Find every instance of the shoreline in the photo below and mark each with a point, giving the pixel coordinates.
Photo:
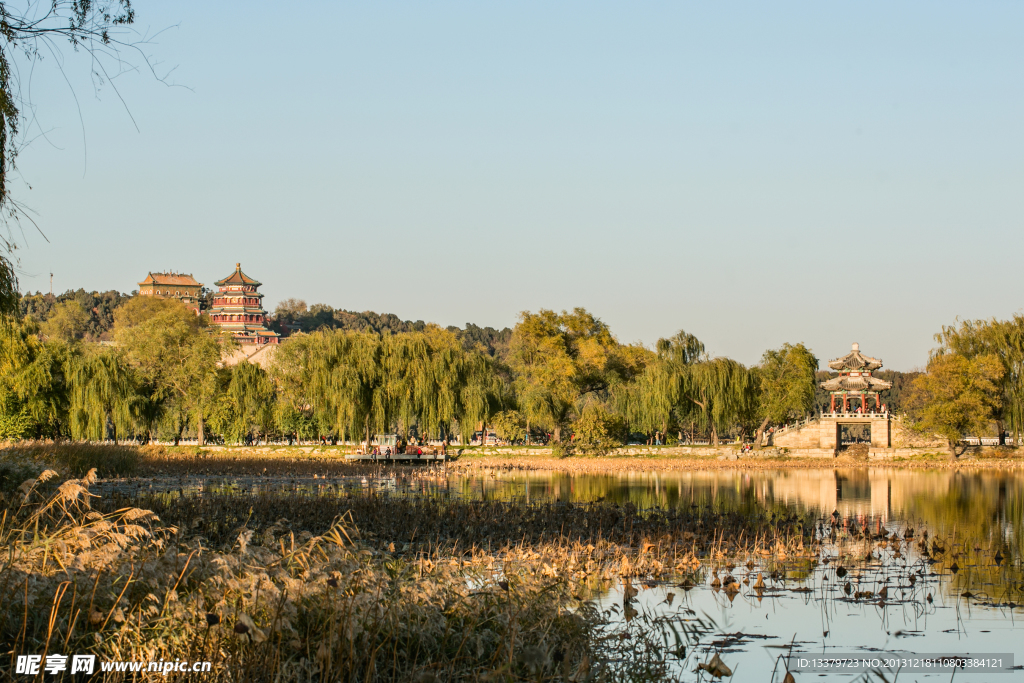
(469, 459)
(612, 464)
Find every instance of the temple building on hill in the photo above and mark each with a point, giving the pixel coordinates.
(238, 309)
(178, 286)
(855, 381)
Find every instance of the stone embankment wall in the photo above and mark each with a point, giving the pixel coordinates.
(725, 451)
(672, 451)
(805, 437)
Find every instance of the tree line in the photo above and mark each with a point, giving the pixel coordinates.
(562, 376)
(89, 316)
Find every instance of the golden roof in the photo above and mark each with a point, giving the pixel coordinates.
(171, 279)
(237, 278)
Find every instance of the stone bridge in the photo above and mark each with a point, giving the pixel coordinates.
(823, 433)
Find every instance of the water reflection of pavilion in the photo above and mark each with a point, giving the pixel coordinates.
(858, 492)
(855, 492)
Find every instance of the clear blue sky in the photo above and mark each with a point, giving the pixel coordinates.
(754, 173)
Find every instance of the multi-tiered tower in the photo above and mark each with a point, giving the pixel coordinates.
(238, 309)
(855, 380)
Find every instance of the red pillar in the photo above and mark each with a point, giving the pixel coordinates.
(846, 403)
(878, 403)
(864, 403)
(833, 403)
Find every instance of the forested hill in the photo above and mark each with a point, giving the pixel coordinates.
(90, 316)
(293, 315)
(93, 318)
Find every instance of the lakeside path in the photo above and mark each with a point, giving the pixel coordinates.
(161, 461)
(613, 464)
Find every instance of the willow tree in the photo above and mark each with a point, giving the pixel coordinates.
(482, 392)
(654, 397)
(33, 392)
(354, 382)
(783, 385)
(647, 402)
(33, 380)
(247, 403)
(103, 391)
(719, 389)
(337, 380)
(28, 31)
(291, 370)
(558, 358)
(434, 381)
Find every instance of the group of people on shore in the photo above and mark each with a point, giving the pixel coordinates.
(387, 452)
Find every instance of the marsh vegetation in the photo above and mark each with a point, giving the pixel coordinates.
(432, 581)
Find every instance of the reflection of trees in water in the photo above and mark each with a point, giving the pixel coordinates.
(986, 505)
(646, 490)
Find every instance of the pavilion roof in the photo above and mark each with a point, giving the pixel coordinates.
(171, 279)
(855, 383)
(237, 278)
(855, 361)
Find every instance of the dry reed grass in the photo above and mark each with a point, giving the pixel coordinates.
(22, 460)
(368, 587)
(265, 600)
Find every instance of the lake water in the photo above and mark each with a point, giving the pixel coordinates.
(962, 601)
(928, 607)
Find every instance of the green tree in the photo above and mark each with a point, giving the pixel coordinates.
(103, 391)
(783, 385)
(67, 321)
(509, 425)
(247, 405)
(719, 389)
(176, 357)
(33, 384)
(651, 401)
(337, 380)
(363, 383)
(956, 396)
(684, 382)
(594, 431)
(558, 358)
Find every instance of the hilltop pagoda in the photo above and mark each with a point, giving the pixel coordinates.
(855, 380)
(238, 309)
(173, 285)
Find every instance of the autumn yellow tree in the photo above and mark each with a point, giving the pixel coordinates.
(957, 396)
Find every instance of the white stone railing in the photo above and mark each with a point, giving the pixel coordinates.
(796, 425)
(877, 414)
(985, 441)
